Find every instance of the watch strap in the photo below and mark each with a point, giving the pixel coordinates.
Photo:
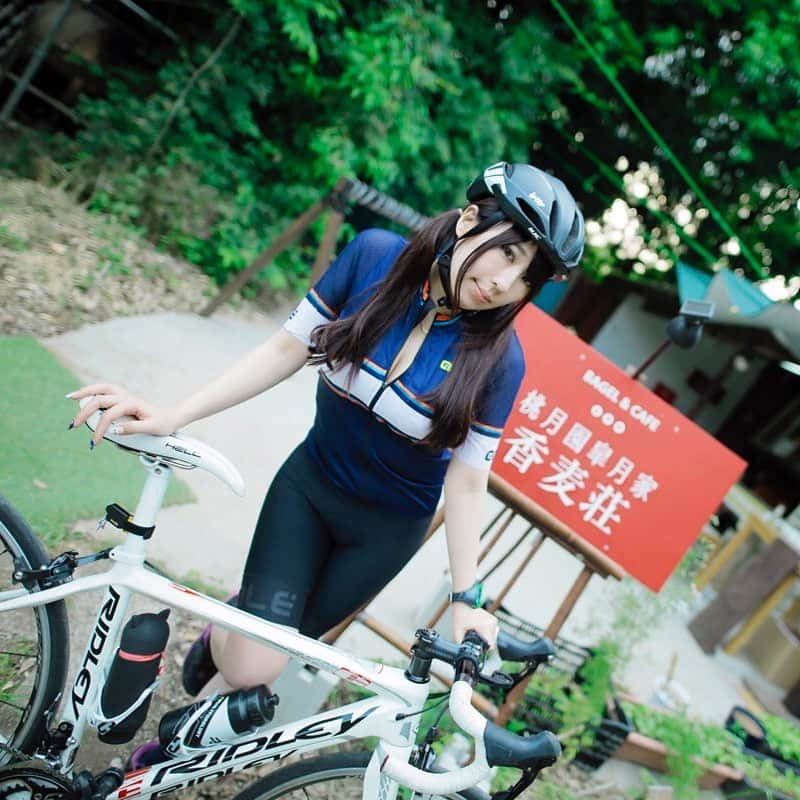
(472, 597)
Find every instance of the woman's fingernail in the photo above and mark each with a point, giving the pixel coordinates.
(71, 425)
(91, 444)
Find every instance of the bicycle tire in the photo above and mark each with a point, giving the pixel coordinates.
(34, 645)
(338, 775)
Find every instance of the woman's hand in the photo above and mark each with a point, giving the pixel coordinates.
(115, 402)
(466, 618)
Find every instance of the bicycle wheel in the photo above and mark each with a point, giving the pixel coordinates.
(339, 776)
(34, 644)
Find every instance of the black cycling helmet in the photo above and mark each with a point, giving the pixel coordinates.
(539, 205)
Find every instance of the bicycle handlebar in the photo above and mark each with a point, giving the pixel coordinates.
(494, 747)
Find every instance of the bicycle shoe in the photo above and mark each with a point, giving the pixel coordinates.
(146, 755)
(198, 666)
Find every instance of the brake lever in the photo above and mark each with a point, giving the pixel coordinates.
(497, 680)
(505, 680)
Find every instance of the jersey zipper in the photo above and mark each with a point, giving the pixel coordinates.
(384, 387)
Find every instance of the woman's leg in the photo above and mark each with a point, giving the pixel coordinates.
(372, 544)
(289, 547)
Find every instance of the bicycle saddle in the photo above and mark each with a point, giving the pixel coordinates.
(175, 450)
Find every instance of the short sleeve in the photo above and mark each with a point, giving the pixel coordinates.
(356, 267)
(479, 448)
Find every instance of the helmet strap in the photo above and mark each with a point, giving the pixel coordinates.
(445, 255)
(442, 262)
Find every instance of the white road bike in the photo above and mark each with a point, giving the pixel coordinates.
(41, 728)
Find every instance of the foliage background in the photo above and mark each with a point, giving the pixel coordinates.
(213, 146)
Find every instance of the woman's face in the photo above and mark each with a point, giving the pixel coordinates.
(495, 278)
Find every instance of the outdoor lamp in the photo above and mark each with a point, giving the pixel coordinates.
(686, 329)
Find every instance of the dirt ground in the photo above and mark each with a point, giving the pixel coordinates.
(61, 268)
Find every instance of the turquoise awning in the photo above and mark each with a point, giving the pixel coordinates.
(737, 301)
(745, 297)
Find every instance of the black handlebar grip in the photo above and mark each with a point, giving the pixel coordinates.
(506, 749)
(536, 652)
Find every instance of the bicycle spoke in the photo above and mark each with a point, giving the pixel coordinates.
(12, 705)
(13, 653)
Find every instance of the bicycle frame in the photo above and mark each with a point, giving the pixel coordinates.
(376, 716)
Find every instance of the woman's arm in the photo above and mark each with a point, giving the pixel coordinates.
(464, 512)
(262, 368)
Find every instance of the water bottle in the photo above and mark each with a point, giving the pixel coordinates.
(135, 667)
(217, 719)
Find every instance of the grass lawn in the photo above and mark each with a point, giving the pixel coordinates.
(48, 473)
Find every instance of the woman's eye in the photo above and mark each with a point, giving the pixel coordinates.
(508, 251)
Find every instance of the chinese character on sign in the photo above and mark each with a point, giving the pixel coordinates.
(602, 506)
(532, 405)
(577, 437)
(569, 476)
(599, 454)
(621, 471)
(528, 448)
(643, 485)
(555, 421)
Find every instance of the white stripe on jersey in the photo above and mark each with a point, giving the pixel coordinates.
(303, 320)
(363, 387)
(400, 415)
(477, 450)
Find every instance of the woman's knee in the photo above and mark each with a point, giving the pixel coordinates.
(245, 663)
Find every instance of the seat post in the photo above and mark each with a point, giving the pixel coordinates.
(152, 497)
(150, 501)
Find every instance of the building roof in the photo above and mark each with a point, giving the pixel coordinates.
(740, 303)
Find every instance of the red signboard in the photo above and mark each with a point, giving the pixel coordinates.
(607, 457)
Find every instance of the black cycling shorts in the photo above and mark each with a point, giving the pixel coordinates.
(319, 553)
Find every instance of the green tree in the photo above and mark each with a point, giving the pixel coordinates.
(264, 105)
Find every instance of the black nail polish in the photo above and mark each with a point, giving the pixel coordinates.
(71, 425)
(91, 444)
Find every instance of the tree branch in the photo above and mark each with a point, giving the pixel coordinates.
(190, 83)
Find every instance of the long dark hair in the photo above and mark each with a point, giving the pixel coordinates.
(485, 334)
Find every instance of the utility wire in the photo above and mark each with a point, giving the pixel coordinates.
(665, 219)
(654, 134)
(588, 185)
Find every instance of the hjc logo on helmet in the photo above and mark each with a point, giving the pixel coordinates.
(536, 199)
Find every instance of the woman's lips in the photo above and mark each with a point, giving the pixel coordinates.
(483, 298)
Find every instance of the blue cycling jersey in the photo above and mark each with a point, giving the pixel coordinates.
(366, 434)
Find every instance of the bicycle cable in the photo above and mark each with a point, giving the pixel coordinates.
(440, 696)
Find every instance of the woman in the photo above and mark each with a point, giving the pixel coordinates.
(419, 367)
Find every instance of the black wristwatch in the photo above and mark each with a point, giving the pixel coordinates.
(473, 596)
